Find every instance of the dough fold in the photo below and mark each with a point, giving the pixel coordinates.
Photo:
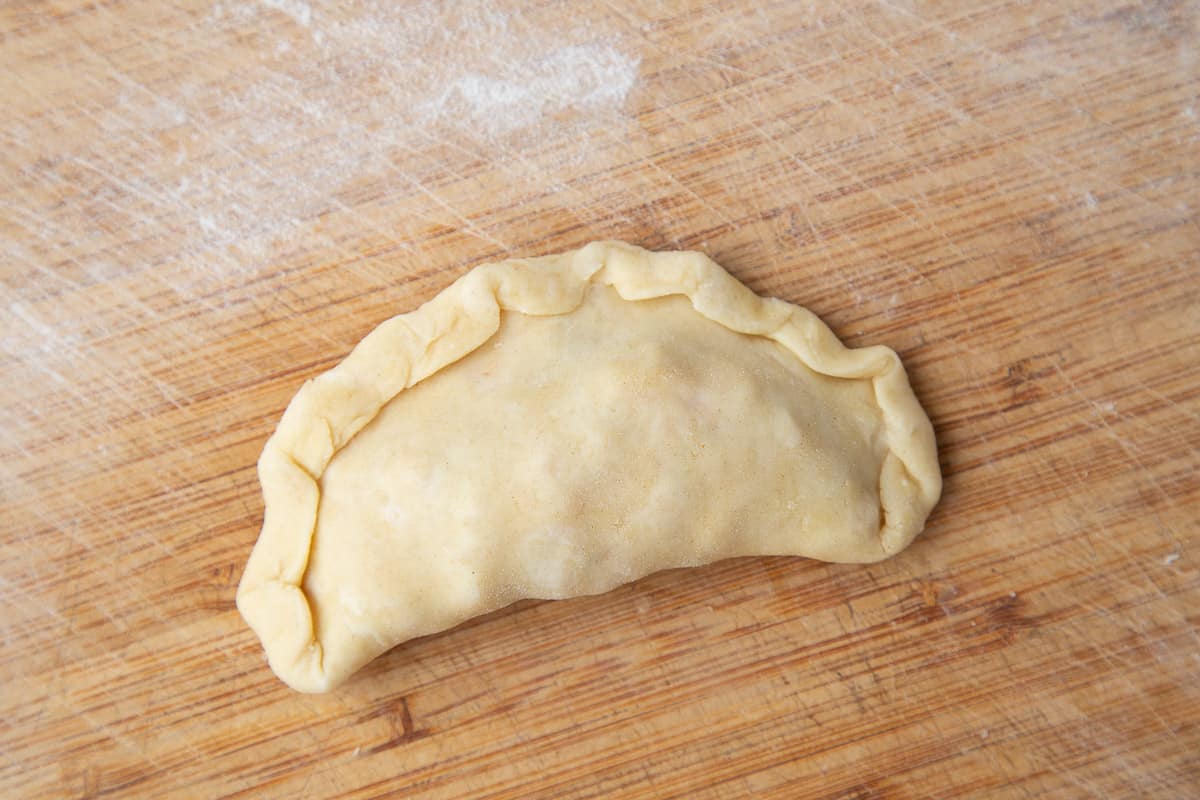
(556, 426)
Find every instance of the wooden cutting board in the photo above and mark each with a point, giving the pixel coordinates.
(204, 204)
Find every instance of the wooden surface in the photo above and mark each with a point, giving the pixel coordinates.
(205, 204)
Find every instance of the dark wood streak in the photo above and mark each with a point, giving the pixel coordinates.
(398, 716)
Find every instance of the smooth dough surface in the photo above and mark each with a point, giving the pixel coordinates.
(552, 427)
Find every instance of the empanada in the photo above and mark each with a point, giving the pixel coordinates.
(557, 426)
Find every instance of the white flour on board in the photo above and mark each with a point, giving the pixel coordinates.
(573, 78)
(357, 89)
(299, 11)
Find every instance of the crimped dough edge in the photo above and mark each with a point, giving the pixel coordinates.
(331, 408)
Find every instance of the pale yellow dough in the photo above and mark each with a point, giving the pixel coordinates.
(557, 426)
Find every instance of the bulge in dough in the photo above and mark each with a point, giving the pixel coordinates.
(558, 426)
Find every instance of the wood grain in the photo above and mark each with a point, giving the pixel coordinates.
(205, 204)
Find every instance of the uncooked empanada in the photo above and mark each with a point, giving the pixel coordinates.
(557, 426)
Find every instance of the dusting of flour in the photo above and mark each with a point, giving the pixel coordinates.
(583, 78)
(357, 88)
(300, 11)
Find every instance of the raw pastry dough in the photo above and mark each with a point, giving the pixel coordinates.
(557, 426)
